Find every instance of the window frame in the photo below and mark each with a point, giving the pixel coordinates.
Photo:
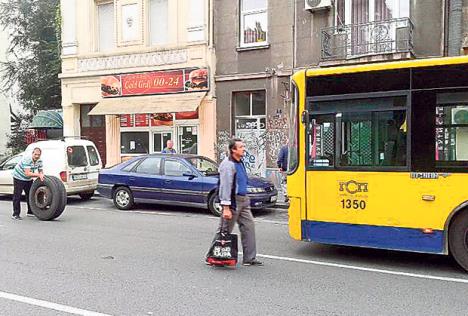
(151, 20)
(242, 14)
(98, 28)
(250, 116)
(337, 136)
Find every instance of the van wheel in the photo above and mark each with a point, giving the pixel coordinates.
(123, 198)
(86, 195)
(45, 198)
(458, 239)
(214, 206)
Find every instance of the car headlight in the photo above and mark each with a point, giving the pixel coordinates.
(255, 190)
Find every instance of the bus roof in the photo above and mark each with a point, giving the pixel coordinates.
(427, 62)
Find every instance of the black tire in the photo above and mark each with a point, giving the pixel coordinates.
(85, 196)
(123, 198)
(458, 239)
(63, 201)
(45, 198)
(213, 205)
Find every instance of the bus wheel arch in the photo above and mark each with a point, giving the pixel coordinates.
(457, 235)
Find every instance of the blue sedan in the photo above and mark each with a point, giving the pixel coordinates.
(185, 180)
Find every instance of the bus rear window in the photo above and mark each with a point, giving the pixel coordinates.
(77, 156)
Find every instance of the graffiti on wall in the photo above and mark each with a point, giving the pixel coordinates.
(222, 140)
(255, 156)
(276, 136)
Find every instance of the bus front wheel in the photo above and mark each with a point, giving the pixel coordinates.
(458, 239)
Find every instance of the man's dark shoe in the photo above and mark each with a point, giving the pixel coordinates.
(253, 262)
(16, 217)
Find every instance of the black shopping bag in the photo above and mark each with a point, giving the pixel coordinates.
(223, 250)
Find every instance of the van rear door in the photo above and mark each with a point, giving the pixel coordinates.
(95, 162)
(78, 166)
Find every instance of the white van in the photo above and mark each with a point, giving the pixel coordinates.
(75, 161)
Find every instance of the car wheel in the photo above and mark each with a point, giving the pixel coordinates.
(123, 198)
(86, 195)
(45, 198)
(214, 206)
(458, 239)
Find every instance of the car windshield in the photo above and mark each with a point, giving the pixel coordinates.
(205, 166)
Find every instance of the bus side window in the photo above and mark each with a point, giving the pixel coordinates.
(321, 141)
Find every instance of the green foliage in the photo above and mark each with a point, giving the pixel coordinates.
(33, 57)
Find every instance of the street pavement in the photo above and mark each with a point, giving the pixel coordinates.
(96, 260)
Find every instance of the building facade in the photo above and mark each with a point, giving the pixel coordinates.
(254, 52)
(136, 73)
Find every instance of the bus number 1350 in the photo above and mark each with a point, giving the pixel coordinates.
(354, 204)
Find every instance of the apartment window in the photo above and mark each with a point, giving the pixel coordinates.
(253, 22)
(158, 22)
(105, 12)
(363, 11)
(250, 110)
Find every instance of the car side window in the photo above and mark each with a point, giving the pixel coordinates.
(150, 165)
(130, 166)
(175, 168)
(93, 156)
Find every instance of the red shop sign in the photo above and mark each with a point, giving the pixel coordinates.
(156, 82)
(141, 120)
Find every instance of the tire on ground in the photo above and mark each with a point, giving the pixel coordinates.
(123, 198)
(63, 202)
(46, 198)
(212, 204)
(458, 239)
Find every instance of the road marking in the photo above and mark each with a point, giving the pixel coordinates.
(49, 305)
(351, 267)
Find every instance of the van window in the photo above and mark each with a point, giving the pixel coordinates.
(93, 156)
(77, 156)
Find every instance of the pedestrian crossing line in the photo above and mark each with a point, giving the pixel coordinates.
(351, 267)
(49, 305)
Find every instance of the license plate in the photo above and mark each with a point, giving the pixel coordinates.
(273, 198)
(82, 176)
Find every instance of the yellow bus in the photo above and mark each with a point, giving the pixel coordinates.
(378, 156)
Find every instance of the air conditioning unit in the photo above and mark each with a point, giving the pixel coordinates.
(460, 115)
(314, 5)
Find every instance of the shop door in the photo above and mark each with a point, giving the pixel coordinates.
(93, 127)
(188, 139)
(160, 140)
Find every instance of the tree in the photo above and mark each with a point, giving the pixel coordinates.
(33, 56)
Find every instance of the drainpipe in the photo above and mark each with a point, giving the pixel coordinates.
(455, 27)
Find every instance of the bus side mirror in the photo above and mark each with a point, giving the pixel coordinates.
(304, 117)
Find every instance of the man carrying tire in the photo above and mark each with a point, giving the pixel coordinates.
(26, 170)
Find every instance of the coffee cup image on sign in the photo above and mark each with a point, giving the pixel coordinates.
(198, 79)
(110, 86)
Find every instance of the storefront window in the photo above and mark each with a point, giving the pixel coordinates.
(160, 140)
(134, 142)
(188, 139)
(250, 110)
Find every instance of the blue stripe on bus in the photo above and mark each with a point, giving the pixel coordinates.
(383, 237)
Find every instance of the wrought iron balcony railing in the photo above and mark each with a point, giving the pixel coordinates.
(358, 40)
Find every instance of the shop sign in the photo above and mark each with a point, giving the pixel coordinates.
(126, 120)
(156, 82)
(141, 120)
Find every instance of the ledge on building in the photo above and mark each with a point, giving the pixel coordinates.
(247, 48)
(367, 59)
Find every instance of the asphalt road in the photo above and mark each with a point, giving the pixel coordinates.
(96, 260)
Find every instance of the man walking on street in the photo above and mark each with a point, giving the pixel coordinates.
(170, 148)
(26, 170)
(234, 201)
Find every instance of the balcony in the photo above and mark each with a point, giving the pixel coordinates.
(354, 41)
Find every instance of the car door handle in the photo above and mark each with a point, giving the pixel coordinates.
(131, 178)
(167, 181)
